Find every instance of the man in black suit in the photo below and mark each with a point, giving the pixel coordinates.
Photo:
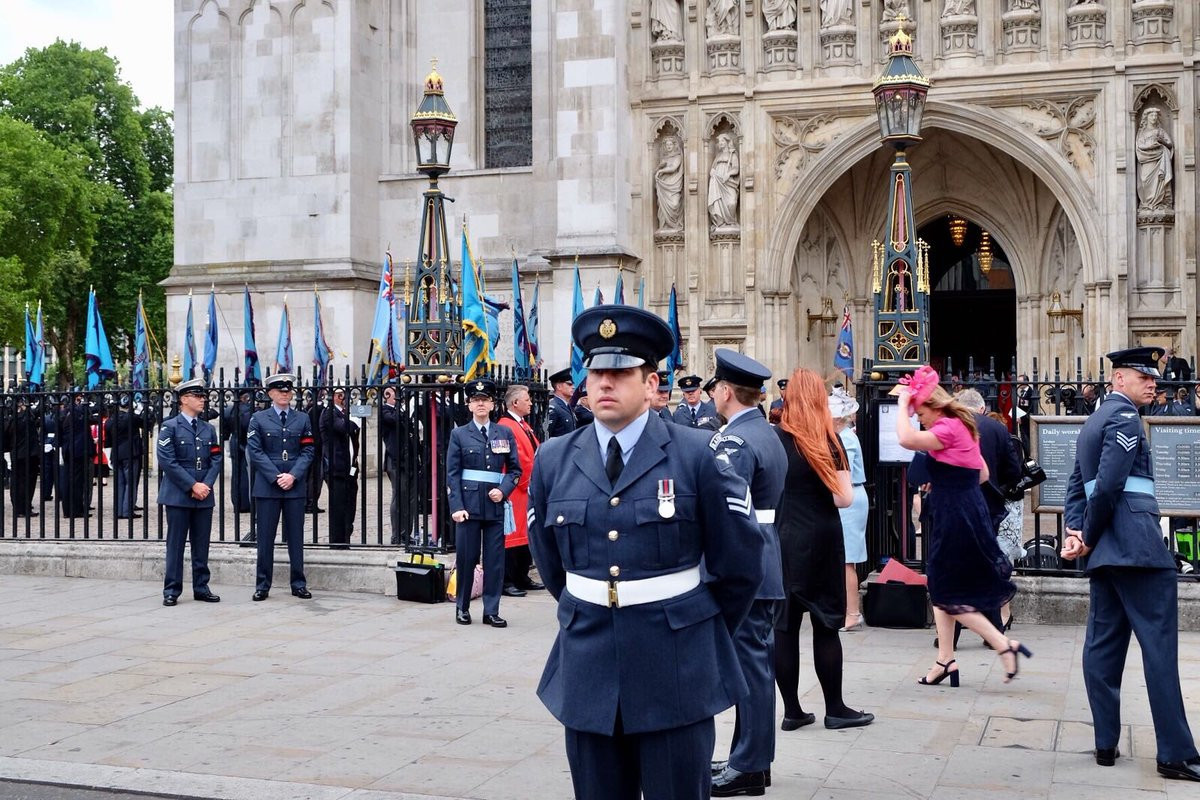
(339, 432)
(1027, 402)
(77, 448)
(395, 428)
(316, 474)
(124, 432)
(23, 439)
(236, 422)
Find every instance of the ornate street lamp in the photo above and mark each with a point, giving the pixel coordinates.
(433, 338)
(901, 282)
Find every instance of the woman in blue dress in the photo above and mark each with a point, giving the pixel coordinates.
(843, 407)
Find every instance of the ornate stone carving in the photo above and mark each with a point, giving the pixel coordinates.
(835, 13)
(724, 188)
(959, 32)
(1065, 124)
(1022, 26)
(797, 141)
(779, 41)
(1086, 22)
(893, 10)
(780, 15)
(896, 15)
(666, 21)
(721, 19)
(1155, 153)
(1153, 21)
(838, 45)
(668, 183)
(958, 8)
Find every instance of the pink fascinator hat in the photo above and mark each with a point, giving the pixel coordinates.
(920, 384)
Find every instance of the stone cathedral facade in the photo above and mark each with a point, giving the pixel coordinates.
(727, 147)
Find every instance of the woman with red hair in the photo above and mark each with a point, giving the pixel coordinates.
(963, 562)
(810, 539)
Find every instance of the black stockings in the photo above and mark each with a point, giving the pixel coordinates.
(827, 660)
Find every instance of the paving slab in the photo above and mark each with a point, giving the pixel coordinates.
(361, 697)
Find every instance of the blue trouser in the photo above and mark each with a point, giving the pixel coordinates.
(269, 510)
(240, 478)
(469, 537)
(753, 745)
(1144, 602)
(126, 478)
(184, 522)
(672, 764)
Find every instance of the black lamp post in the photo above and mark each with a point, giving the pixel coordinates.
(433, 328)
(900, 269)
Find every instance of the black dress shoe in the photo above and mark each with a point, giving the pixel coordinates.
(791, 724)
(302, 593)
(731, 783)
(1107, 756)
(207, 597)
(512, 591)
(260, 594)
(170, 601)
(719, 766)
(533, 586)
(495, 621)
(837, 723)
(1179, 770)
(462, 617)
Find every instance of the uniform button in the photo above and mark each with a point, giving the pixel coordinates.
(560, 520)
(614, 571)
(612, 536)
(614, 502)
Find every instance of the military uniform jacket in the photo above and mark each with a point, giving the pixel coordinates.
(186, 459)
(756, 454)
(559, 419)
(123, 432)
(469, 451)
(1120, 526)
(664, 664)
(23, 435)
(705, 411)
(75, 431)
(273, 449)
(340, 436)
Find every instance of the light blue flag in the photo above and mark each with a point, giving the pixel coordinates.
(253, 370)
(642, 293)
(283, 347)
(619, 291)
(381, 358)
(141, 349)
(30, 344)
(97, 355)
(521, 358)
(189, 345)
(37, 373)
(675, 358)
(493, 307)
(322, 355)
(477, 350)
(598, 297)
(843, 351)
(531, 329)
(210, 337)
(578, 373)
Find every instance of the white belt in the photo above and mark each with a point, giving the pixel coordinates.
(615, 594)
(766, 517)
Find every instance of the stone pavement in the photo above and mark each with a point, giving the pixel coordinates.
(362, 697)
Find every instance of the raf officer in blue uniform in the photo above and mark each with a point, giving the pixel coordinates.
(757, 455)
(622, 512)
(189, 454)
(279, 444)
(1111, 517)
(560, 419)
(482, 469)
(660, 402)
(694, 411)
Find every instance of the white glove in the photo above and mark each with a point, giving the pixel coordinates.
(138, 408)
(47, 448)
(7, 461)
(108, 455)
(354, 421)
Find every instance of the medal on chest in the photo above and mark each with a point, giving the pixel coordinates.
(666, 498)
(499, 446)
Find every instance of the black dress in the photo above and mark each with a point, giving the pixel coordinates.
(966, 569)
(811, 544)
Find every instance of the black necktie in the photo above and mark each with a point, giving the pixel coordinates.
(613, 465)
(483, 432)
(693, 417)
(283, 419)
(194, 429)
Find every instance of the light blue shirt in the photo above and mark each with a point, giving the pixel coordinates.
(741, 413)
(627, 437)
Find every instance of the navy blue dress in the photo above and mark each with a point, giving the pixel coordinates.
(966, 569)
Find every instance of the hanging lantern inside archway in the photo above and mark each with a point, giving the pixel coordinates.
(958, 229)
(985, 253)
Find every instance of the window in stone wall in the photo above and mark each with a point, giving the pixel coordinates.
(508, 84)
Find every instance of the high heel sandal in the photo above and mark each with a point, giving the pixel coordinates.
(946, 672)
(1017, 651)
(1007, 623)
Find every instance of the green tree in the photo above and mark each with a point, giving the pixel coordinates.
(75, 98)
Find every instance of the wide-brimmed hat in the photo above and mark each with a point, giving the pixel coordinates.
(841, 404)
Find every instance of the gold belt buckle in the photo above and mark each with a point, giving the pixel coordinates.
(613, 602)
(285, 455)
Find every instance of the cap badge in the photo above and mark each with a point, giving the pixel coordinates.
(608, 329)
(1156, 355)
(479, 386)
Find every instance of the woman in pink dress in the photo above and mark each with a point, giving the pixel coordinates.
(963, 562)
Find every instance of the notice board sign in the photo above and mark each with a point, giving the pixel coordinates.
(1053, 440)
(890, 451)
(1175, 454)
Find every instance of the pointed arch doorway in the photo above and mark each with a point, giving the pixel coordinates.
(973, 303)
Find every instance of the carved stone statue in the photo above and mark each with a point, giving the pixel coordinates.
(722, 18)
(668, 186)
(724, 184)
(1155, 170)
(1024, 5)
(836, 12)
(958, 8)
(780, 15)
(894, 9)
(666, 21)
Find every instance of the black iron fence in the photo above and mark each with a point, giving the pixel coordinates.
(81, 465)
(1018, 396)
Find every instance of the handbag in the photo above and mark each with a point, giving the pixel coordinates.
(1032, 475)
(419, 581)
(476, 583)
(896, 605)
